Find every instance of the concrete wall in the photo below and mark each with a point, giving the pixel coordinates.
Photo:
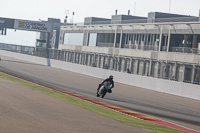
(172, 56)
(161, 85)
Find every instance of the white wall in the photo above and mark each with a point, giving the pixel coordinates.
(161, 85)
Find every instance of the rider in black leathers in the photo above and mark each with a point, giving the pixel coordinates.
(110, 79)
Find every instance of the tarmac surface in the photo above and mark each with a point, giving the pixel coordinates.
(179, 110)
(24, 110)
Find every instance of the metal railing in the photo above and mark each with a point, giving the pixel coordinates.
(186, 50)
(132, 46)
(102, 44)
(142, 47)
(17, 48)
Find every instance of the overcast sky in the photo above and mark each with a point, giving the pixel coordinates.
(43, 9)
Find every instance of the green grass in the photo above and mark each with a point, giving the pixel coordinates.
(96, 108)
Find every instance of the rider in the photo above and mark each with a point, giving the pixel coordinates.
(110, 79)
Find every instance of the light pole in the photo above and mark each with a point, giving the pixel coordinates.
(169, 5)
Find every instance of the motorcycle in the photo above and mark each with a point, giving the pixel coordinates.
(104, 89)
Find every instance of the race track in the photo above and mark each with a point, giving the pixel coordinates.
(179, 110)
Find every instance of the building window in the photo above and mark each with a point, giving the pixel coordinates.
(92, 39)
(73, 38)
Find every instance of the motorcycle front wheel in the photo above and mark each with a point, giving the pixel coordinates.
(102, 96)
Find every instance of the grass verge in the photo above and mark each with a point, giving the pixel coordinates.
(95, 108)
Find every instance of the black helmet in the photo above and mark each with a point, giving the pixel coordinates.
(111, 77)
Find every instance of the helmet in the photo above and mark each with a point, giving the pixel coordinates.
(111, 77)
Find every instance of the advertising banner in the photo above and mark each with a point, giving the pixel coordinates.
(6, 23)
(33, 26)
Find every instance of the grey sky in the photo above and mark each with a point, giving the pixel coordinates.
(42, 9)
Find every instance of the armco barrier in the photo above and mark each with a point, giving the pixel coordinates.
(161, 85)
